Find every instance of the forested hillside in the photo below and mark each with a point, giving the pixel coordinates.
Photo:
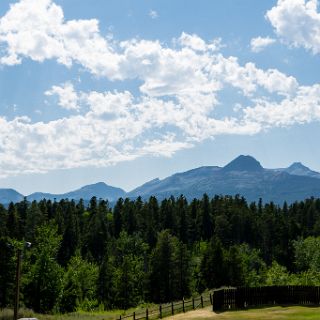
(149, 251)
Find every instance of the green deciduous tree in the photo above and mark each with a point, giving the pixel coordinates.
(307, 254)
(79, 284)
(43, 280)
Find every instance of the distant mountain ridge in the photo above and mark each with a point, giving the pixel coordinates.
(10, 195)
(243, 163)
(297, 168)
(244, 176)
(99, 190)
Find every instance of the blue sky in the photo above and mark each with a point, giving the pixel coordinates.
(126, 91)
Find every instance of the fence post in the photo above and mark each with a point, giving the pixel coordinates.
(172, 308)
(201, 301)
(192, 303)
(183, 305)
(120, 317)
(134, 316)
(160, 311)
(210, 298)
(147, 314)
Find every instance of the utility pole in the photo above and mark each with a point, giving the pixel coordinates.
(20, 246)
(17, 291)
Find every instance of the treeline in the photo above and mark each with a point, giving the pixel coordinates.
(95, 256)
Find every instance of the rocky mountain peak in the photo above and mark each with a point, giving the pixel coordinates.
(243, 163)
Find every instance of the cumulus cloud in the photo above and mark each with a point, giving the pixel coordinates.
(119, 127)
(192, 41)
(174, 110)
(304, 107)
(96, 138)
(297, 23)
(36, 29)
(68, 98)
(258, 44)
(249, 78)
(196, 43)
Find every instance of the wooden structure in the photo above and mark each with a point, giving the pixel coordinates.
(239, 298)
(164, 310)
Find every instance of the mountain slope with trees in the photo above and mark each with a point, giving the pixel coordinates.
(85, 257)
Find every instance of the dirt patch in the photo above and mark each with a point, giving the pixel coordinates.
(197, 314)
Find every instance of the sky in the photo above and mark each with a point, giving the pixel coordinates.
(124, 91)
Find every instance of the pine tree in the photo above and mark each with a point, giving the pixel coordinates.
(162, 273)
(97, 231)
(106, 287)
(71, 236)
(7, 273)
(181, 212)
(117, 217)
(213, 268)
(205, 219)
(13, 225)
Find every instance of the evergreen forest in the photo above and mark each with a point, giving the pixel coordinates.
(87, 256)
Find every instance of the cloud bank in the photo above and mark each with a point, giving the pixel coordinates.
(175, 109)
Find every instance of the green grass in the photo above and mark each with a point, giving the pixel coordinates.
(268, 313)
(274, 313)
(7, 314)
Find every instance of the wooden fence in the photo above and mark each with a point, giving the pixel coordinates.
(164, 310)
(239, 298)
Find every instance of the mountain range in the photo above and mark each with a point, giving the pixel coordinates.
(244, 176)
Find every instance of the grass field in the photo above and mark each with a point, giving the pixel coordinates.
(7, 314)
(270, 313)
(274, 313)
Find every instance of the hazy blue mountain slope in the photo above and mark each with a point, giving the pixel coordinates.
(243, 163)
(244, 175)
(99, 190)
(299, 169)
(10, 195)
(37, 196)
(175, 184)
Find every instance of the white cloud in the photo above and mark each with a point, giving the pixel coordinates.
(249, 78)
(29, 29)
(166, 146)
(90, 139)
(68, 98)
(297, 23)
(192, 41)
(118, 127)
(153, 14)
(10, 60)
(107, 103)
(196, 43)
(258, 44)
(36, 29)
(304, 107)
(175, 108)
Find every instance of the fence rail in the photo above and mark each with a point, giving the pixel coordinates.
(243, 297)
(169, 309)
